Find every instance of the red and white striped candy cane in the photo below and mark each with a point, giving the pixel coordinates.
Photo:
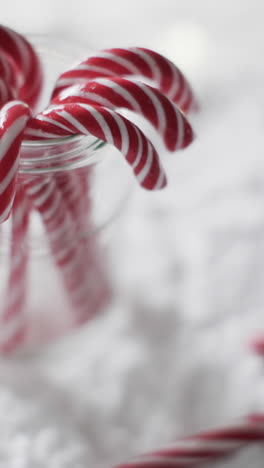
(143, 99)
(108, 126)
(154, 105)
(203, 448)
(20, 78)
(112, 128)
(135, 61)
(13, 119)
(49, 202)
(75, 195)
(150, 102)
(26, 65)
(8, 81)
(13, 322)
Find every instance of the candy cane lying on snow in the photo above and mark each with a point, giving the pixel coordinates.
(203, 448)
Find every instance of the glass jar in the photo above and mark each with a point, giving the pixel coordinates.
(53, 249)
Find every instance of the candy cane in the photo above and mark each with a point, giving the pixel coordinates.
(145, 100)
(48, 201)
(20, 78)
(13, 320)
(8, 81)
(109, 126)
(26, 65)
(8, 71)
(133, 61)
(74, 194)
(204, 448)
(155, 107)
(13, 119)
(257, 345)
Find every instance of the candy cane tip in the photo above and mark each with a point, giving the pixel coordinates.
(163, 184)
(189, 135)
(257, 345)
(256, 418)
(181, 137)
(13, 343)
(159, 184)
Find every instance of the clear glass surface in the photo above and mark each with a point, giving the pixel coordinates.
(91, 185)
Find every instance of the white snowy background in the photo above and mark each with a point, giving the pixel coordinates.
(171, 357)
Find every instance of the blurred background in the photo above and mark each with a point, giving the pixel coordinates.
(171, 357)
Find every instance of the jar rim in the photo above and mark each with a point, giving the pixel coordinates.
(51, 141)
(60, 154)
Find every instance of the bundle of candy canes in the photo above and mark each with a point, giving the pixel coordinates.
(84, 101)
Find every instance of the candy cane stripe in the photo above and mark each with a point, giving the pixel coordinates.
(126, 64)
(155, 69)
(146, 168)
(125, 141)
(140, 149)
(118, 88)
(44, 118)
(78, 126)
